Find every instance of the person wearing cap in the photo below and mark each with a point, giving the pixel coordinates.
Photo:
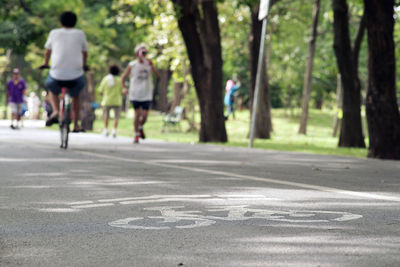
(16, 89)
(141, 88)
(67, 48)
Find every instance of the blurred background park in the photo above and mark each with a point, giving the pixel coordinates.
(306, 105)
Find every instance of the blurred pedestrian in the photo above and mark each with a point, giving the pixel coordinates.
(16, 89)
(229, 99)
(111, 91)
(141, 88)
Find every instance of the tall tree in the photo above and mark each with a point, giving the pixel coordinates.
(309, 68)
(351, 131)
(382, 109)
(198, 22)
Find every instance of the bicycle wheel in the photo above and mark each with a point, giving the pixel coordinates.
(64, 129)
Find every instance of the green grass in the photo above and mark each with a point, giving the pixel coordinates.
(318, 140)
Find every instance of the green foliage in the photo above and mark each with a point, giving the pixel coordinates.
(235, 52)
(114, 28)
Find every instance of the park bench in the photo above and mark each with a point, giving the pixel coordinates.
(173, 119)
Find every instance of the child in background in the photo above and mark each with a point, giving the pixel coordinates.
(111, 91)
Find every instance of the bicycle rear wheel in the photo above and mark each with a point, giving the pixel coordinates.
(64, 129)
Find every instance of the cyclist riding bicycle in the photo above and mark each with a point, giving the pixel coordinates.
(67, 48)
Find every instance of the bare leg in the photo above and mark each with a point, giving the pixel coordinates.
(115, 123)
(143, 118)
(136, 120)
(18, 120)
(75, 111)
(54, 104)
(13, 118)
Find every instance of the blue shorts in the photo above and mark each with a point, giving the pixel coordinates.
(74, 86)
(145, 105)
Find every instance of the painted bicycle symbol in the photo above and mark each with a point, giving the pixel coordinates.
(179, 217)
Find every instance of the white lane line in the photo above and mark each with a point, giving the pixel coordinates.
(92, 206)
(258, 179)
(59, 210)
(81, 202)
(214, 199)
(241, 196)
(152, 197)
(42, 160)
(295, 184)
(117, 183)
(109, 157)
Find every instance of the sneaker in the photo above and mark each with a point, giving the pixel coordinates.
(52, 120)
(114, 133)
(12, 127)
(136, 140)
(105, 132)
(141, 132)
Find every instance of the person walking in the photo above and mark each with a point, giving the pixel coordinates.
(229, 98)
(141, 88)
(16, 90)
(111, 91)
(67, 48)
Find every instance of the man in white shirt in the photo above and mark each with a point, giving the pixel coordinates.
(67, 48)
(140, 88)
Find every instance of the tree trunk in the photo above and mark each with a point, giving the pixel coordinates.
(351, 131)
(263, 126)
(339, 100)
(176, 101)
(162, 100)
(382, 109)
(198, 22)
(86, 98)
(4, 74)
(309, 69)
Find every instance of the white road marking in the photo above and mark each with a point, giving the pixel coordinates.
(181, 218)
(246, 177)
(92, 206)
(255, 178)
(30, 186)
(207, 162)
(42, 160)
(81, 202)
(59, 210)
(152, 197)
(117, 183)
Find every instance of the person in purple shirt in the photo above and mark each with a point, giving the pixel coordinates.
(16, 89)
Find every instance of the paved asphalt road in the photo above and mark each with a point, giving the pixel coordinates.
(108, 202)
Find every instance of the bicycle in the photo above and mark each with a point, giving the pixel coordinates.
(65, 116)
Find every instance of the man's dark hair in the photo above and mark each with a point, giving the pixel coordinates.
(114, 70)
(68, 19)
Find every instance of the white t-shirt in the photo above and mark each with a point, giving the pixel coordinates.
(141, 81)
(66, 45)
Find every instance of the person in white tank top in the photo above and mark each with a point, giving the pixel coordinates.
(140, 91)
